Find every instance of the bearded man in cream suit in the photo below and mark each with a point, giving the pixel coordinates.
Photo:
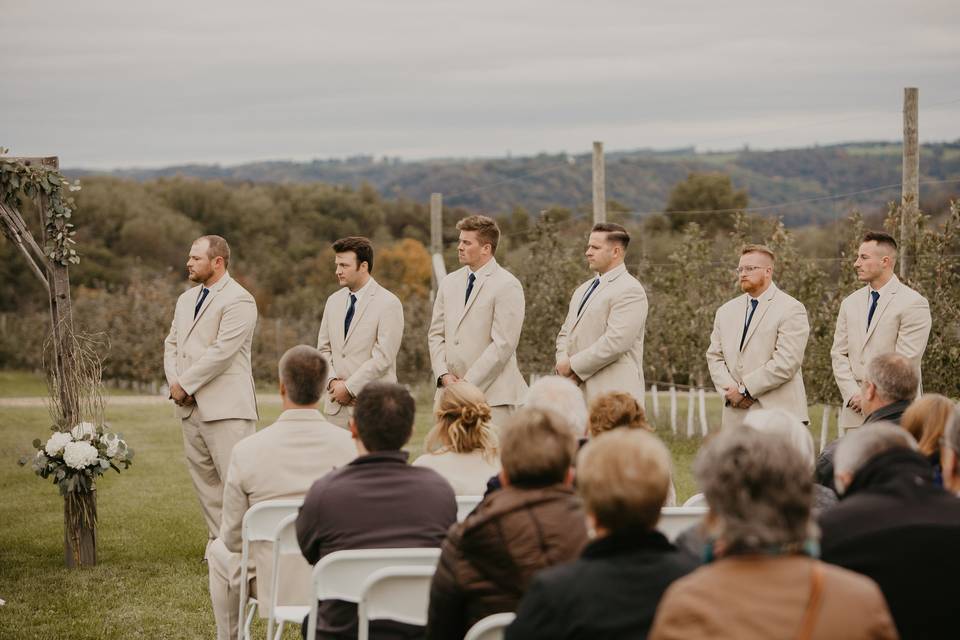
(600, 345)
(757, 344)
(360, 331)
(477, 318)
(883, 317)
(206, 360)
(279, 462)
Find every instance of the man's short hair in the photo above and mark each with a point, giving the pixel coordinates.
(759, 248)
(384, 416)
(485, 227)
(615, 233)
(537, 448)
(360, 246)
(623, 477)
(303, 372)
(861, 445)
(218, 248)
(882, 239)
(894, 376)
(563, 396)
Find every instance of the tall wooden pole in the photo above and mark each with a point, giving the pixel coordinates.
(910, 196)
(599, 185)
(436, 237)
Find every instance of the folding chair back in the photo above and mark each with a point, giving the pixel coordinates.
(395, 593)
(491, 627)
(675, 520)
(285, 543)
(466, 504)
(341, 575)
(696, 500)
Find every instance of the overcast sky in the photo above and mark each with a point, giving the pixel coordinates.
(120, 83)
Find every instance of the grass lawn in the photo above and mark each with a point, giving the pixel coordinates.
(149, 582)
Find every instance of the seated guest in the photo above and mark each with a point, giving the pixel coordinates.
(462, 446)
(895, 525)
(925, 420)
(761, 580)
(377, 501)
(889, 386)
(618, 409)
(534, 521)
(950, 454)
(278, 462)
(613, 589)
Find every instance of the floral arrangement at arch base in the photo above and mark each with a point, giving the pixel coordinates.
(74, 459)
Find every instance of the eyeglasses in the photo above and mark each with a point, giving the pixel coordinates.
(746, 269)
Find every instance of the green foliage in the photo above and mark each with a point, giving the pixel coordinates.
(707, 199)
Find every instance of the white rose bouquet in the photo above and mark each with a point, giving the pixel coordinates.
(75, 458)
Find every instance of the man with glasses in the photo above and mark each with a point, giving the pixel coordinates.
(757, 344)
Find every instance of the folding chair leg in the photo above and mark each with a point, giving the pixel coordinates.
(252, 606)
(279, 633)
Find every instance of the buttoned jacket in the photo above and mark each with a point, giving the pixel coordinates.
(901, 323)
(477, 341)
(604, 340)
(368, 351)
(769, 364)
(209, 355)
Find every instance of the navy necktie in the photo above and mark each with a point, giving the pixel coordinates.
(470, 280)
(347, 320)
(586, 296)
(203, 296)
(875, 295)
(746, 325)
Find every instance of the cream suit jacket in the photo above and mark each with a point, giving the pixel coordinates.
(769, 363)
(901, 323)
(210, 355)
(368, 352)
(605, 341)
(477, 341)
(279, 462)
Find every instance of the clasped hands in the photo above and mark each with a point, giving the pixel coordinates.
(564, 369)
(737, 399)
(338, 392)
(180, 397)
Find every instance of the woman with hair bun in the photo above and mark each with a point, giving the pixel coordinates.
(462, 446)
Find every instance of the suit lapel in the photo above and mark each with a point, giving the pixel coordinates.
(214, 290)
(483, 275)
(882, 305)
(364, 303)
(338, 312)
(765, 303)
(596, 293)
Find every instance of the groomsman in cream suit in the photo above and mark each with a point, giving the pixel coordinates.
(757, 344)
(360, 331)
(600, 345)
(883, 317)
(206, 360)
(477, 318)
(279, 462)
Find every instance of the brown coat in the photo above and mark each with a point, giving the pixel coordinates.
(488, 560)
(765, 597)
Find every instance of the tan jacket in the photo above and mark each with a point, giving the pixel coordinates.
(605, 341)
(765, 597)
(210, 355)
(279, 462)
(368, 353)
(769, 364)
(901, 323)
(478, 341)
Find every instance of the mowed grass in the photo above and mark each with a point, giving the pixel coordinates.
(149, 581)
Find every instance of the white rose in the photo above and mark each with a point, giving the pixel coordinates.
(79, 455)
(56, 443)
(84, 429)
(113, 444)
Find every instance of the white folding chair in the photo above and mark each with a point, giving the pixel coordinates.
(395, 593)
(491, 627)
(696, 500)
(259, 524)
(674, 520)
(465, 505)
(341, 575)
(284, 543)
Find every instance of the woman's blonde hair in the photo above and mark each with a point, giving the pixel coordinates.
(926, 419)
(463, 422)
(616, 409)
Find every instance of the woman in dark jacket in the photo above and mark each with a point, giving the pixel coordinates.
(612, 591)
